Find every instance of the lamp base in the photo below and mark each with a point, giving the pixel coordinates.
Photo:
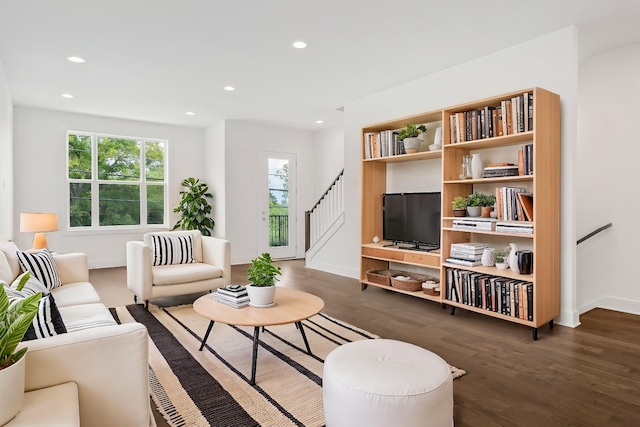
(39, 241)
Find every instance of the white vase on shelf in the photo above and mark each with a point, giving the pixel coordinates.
(477, 168)
(488, 257)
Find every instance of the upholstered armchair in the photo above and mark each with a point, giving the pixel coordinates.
(174, 263)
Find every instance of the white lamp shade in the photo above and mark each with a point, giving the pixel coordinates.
(38, 222)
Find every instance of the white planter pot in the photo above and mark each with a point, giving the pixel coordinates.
(11, 390)
(411, 145)
(261, 296)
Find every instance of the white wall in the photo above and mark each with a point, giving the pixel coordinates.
(244, 144)
(607, 177)
(6, 159)
(214, 174)
(549, 62)
(40, 175)
(328, 154)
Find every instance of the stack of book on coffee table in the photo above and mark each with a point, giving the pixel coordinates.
(232, 295)
(467, 254)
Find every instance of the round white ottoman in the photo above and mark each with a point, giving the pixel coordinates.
(386, 383)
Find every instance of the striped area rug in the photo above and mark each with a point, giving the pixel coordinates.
(211, 387)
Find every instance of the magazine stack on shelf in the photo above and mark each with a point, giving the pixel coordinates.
(467, 254)
(232, 295)
(475, 223)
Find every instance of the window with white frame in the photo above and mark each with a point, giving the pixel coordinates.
(116, 181)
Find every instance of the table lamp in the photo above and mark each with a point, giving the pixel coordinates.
(39, 223)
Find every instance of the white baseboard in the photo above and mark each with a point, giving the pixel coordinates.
(334, 269)
(613, 303)
(570, 319)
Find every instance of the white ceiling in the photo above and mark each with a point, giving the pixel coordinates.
(153, 60)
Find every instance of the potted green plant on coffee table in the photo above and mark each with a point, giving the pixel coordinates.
(262, 274)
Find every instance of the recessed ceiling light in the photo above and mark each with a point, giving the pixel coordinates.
(319, 121)
(75, 59)
(190, 113)
(299, 45)
(229, 88)
(67, 95)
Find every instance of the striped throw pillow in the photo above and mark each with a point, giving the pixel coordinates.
(170, 250)
(41, 266)
(47, 322)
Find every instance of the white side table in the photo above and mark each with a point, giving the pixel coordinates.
(55, 406)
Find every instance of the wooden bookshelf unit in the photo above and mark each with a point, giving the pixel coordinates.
(542, 133)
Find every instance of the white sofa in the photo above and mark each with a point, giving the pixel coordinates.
(107, 361)
(211, 269)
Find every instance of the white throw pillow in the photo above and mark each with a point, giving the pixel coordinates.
(170, 250)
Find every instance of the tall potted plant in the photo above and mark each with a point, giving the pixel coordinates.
(262, 274)
(15, 319)
(194, 207)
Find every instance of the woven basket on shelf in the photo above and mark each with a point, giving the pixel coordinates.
(432, 291)
(413, 284)
(381, 277)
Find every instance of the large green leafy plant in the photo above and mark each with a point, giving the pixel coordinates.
(262, 272)
(14, 322)
(194, 207)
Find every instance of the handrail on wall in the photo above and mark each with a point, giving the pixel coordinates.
(594, 232)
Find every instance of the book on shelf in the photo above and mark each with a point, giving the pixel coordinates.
(520, 227)
(526, 200)
(464, 262)
(470, 246)
(466, 256)
(528, 159)
(475, 223)
(500, 171)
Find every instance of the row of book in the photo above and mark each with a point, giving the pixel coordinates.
(501, 295)
(514, 115)
(514, 204)
(382, 144)
(232, 295)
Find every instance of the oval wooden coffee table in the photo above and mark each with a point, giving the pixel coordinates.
(292, 306)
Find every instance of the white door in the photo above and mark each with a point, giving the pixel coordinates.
(278, 201)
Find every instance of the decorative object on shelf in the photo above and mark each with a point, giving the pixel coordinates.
(488, 257)
(437, 138)
(15, 320)
(466, 173)
(412, 136)
(194, 207)
(382, 277)
(513, 258)
(262, 274)
(376, 239)
(525, 262)
(501, 263)
(477, 168)
(459, 206)
(476, 201)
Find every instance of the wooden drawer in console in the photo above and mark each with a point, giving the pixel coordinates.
(423, 259)
(383, 253)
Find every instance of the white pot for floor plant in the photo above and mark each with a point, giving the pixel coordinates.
(261, 296)
(11, 390)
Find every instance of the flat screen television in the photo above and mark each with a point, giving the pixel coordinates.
(412, 218)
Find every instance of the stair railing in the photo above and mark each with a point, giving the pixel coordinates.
(594, 232)
(324, 212)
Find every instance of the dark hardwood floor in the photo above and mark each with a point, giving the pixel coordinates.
(584, 376)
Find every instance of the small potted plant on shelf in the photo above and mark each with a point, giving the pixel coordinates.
(474, 203)
(411, 136)
(459, 206)
(501, 263)
(262, 274)
(488, 201)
